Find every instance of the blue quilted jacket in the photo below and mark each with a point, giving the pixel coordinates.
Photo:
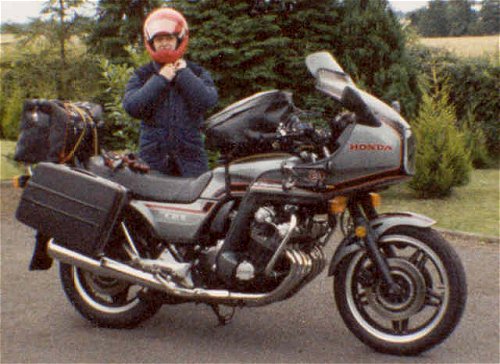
(171, 114)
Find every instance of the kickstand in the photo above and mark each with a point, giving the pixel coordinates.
(224, 319)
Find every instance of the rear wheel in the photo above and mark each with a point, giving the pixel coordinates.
(106, 302)
(111, 302)
(430, 302)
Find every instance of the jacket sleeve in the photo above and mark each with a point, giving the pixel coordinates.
(141, 97)
(198, 91)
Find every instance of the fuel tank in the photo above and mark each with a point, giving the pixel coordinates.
(183, 223)
(243, 172)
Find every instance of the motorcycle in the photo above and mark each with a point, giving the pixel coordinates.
(252, 231)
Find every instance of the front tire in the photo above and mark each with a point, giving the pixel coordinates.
(427, 309)
(106, 302)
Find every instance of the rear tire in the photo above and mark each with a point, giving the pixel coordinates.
(427, 310)
(107, 302)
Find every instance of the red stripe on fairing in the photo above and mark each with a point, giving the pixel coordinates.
(236, 188)
(205, 209)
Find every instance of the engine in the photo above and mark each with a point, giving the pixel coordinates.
(273, 231)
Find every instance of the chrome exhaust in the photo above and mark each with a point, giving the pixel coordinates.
(300, 268)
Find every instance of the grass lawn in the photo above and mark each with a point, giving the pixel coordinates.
(472, 208)
(8, 168)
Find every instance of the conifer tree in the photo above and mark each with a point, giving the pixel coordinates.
(250, 48)
(119, 23)
(442, 160)
(63, 19)
(372, 48)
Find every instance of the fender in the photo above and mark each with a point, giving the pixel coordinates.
(350, 244)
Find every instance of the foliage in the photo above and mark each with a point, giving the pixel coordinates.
(61, 27)
(457, 18)
(473, 84)
(373, 50)
(11, 113)
(8, 166)
(119, 24)
(475, 141)
(489, 16)
(31, 70)
(442, 161)
(122, 131)
(250, 49)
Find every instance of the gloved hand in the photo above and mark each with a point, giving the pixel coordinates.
(168, 71)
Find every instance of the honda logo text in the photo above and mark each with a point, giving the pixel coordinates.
(370, 147)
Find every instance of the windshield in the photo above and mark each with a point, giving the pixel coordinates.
(332, 80)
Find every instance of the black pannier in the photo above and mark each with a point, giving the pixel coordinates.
(75, 207)
(56, 131)
(228, 130)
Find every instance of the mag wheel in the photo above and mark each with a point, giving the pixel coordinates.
(106, 302)
(427, 307)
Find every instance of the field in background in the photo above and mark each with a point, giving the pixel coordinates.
(8, 168)
(487, 46)
(8, 42)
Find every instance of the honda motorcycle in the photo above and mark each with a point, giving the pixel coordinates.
(252, 231)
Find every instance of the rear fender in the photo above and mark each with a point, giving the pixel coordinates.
(380, 225)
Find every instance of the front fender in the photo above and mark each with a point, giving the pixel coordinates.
(351, 244)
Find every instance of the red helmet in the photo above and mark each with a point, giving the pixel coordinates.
(166, 21)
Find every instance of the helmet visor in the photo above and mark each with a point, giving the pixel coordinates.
(159, 26)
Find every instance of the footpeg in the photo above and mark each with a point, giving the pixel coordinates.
(169, 268)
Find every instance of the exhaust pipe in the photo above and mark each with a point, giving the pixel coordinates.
(300, 267)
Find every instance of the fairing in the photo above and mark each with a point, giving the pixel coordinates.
(379, 147)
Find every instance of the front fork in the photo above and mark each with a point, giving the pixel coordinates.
(362, 211)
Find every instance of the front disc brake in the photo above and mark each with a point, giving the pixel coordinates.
(408, 301)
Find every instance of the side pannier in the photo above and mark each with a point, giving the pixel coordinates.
(227, 131)
(77, 208)
(56, 131)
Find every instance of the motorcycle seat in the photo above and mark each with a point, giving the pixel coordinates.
(152, 186)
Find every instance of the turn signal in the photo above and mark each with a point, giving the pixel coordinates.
(16, 182)
(360, 231)
(20, 181)
(376, 199)
(338, 204)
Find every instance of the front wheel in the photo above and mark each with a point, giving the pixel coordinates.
(427, 307)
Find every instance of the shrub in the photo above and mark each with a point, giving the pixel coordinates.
(475, 141)
(122, 131)
(474, 85)
(11, 113)
(442, 160)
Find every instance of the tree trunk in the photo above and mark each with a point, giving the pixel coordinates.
(61, 89)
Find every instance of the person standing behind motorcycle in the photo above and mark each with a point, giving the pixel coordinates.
(170, 96)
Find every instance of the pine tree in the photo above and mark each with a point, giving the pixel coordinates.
(63, 18)
(442, 161)
(372, 48)
(119, 24)
(250, 46)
